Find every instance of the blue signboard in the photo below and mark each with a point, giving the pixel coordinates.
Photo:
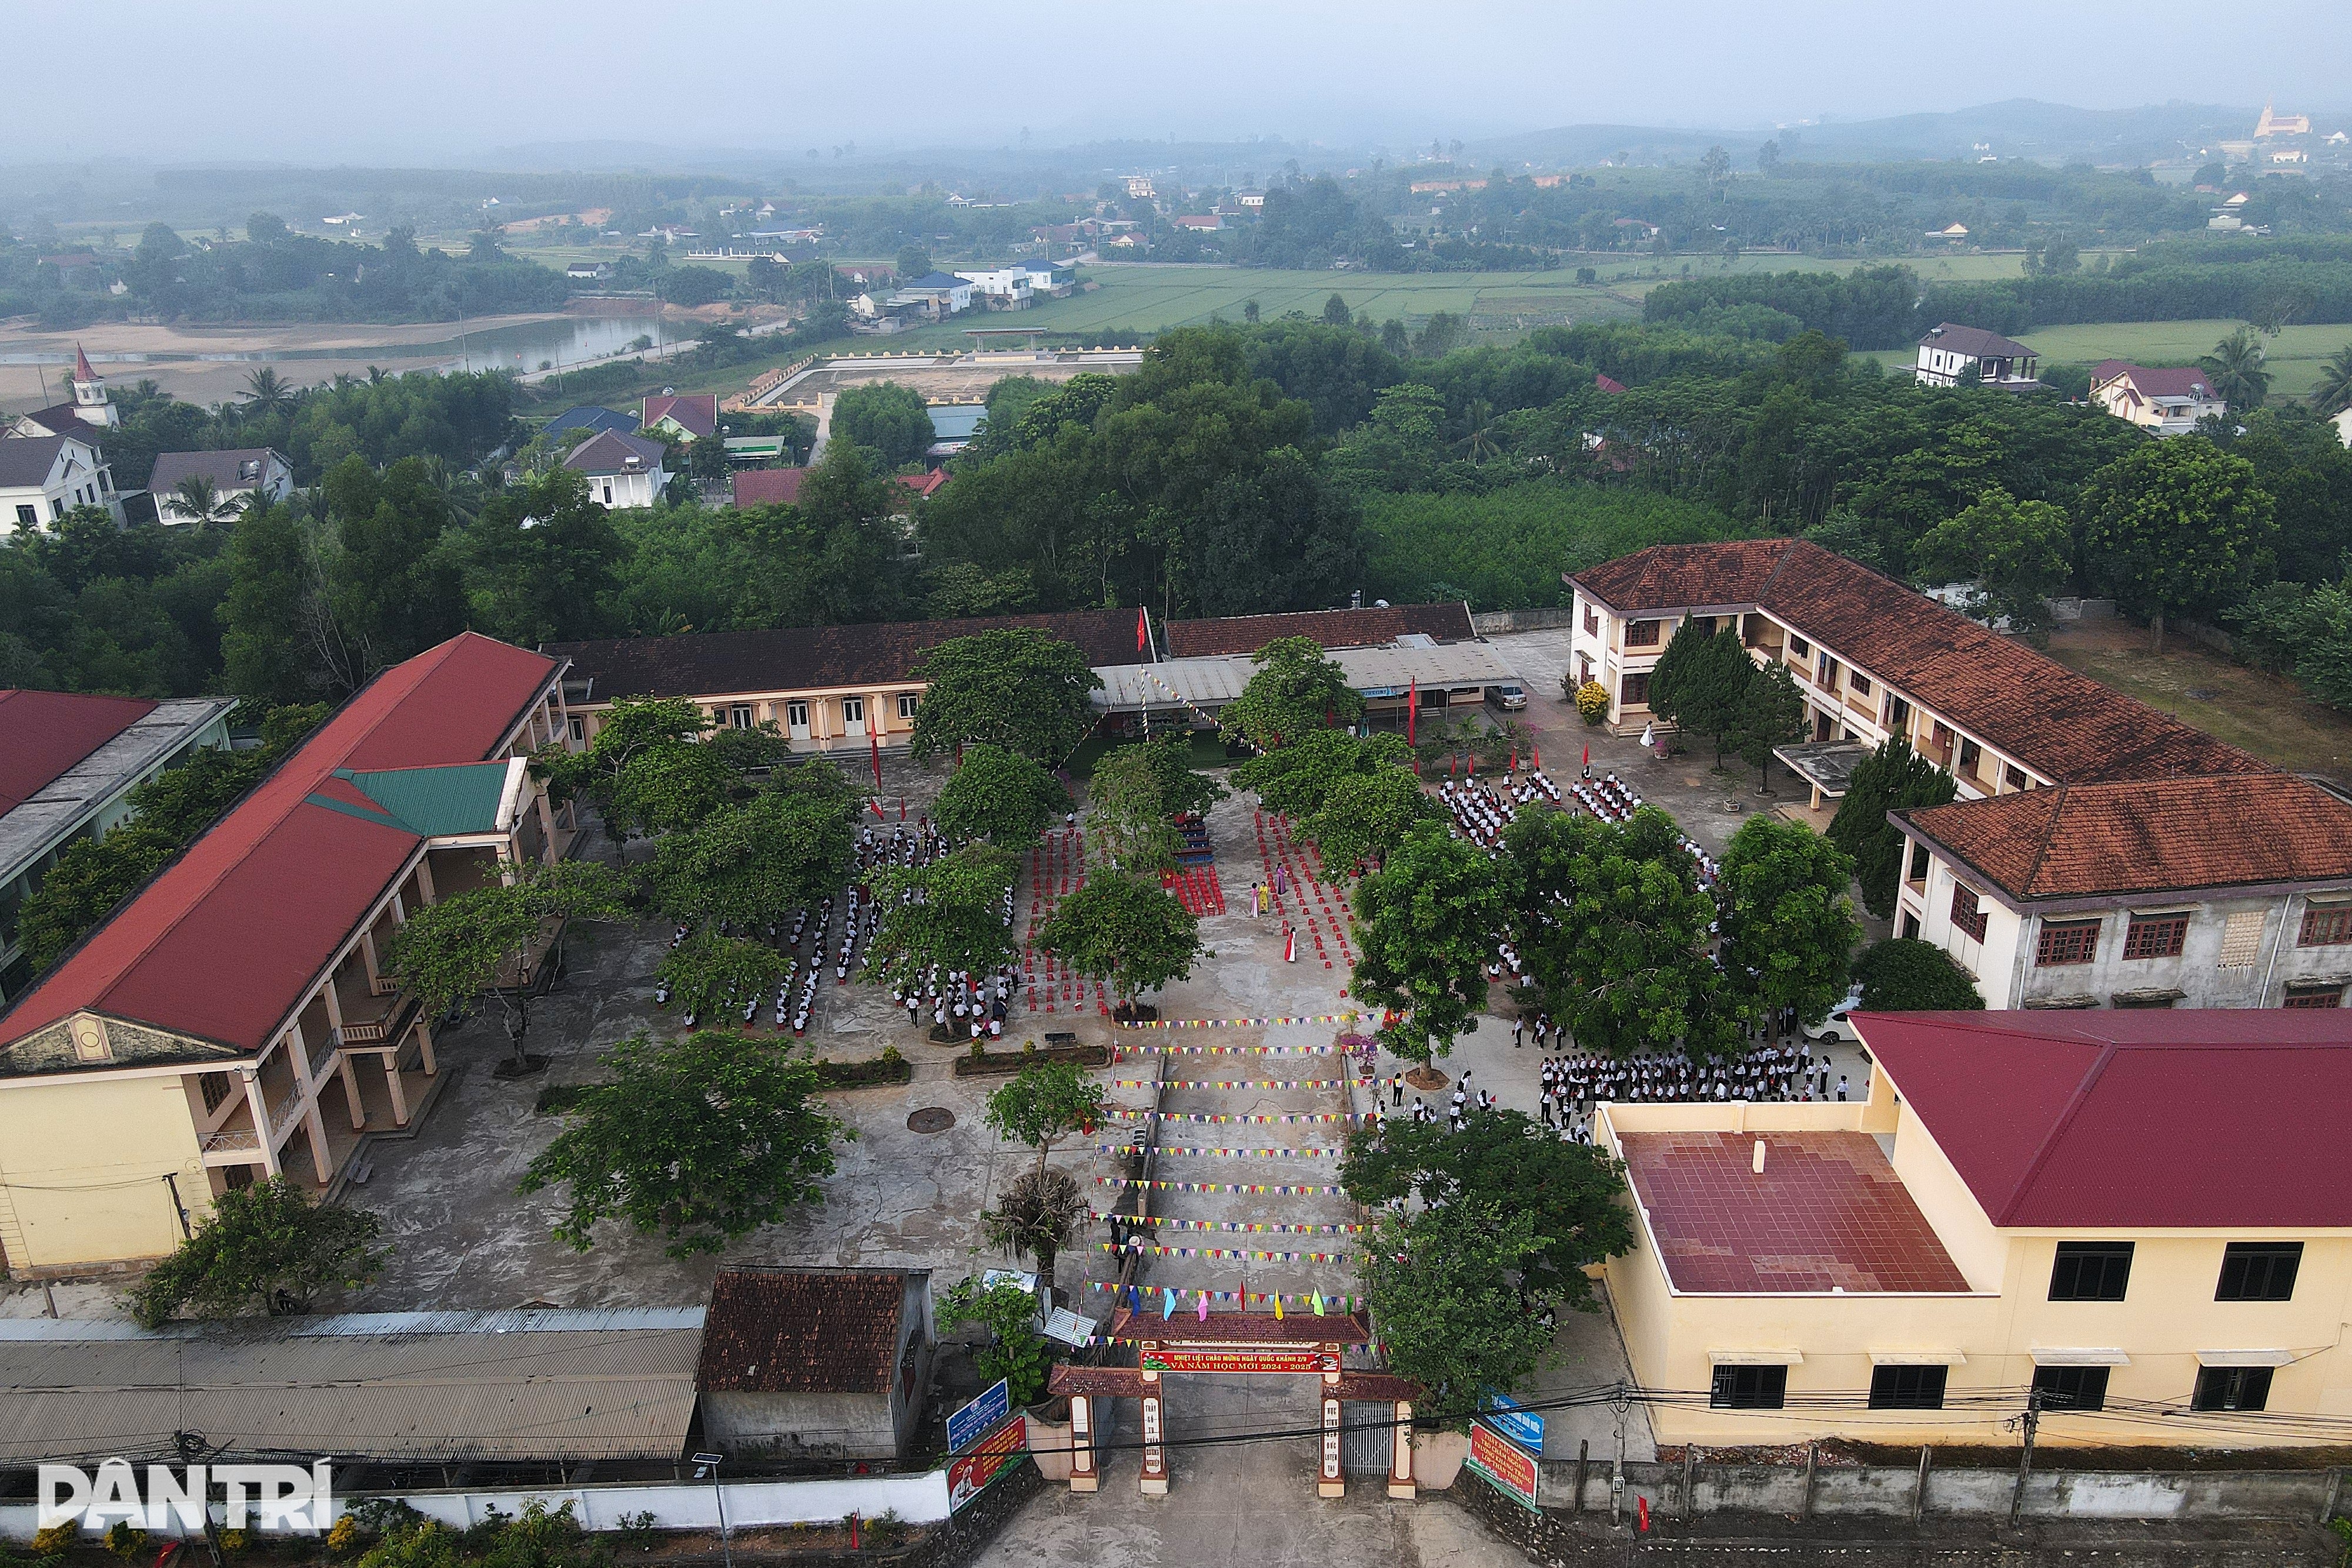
(979, 1417)
(1523, 1427)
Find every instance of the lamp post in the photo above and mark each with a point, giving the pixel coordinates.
(710, 1462)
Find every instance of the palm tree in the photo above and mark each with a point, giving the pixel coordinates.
(461, 491)
(1041, 1210)
(198, 499)
(1479, 443)
(2235, 366)
(265, 388)
(2334, 394)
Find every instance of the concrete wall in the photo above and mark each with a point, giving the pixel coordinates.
(796, 1425)
(1486, 623)
(82, 1168)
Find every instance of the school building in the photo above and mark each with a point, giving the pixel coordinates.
(232, 1020)
(2134, 1222)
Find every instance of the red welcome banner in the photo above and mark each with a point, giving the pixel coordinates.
(995, 1453)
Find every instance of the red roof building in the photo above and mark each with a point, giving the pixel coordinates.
(812, 1363)
(2139, 1217)
(695, 414)
(245, 977)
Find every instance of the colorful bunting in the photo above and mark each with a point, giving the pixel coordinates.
(1253, 1254)
(1289, 1189)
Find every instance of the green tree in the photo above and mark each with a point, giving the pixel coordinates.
(265, 631)
(890, 421)
(2017, 552)
(1788, 920)
(1336, 312)
(2173, 524)
(1701, 681)
(949, 914)
(1503, 1158)
(1448, 1289)
(1015, 687)
(914, 262)
(1427, 921)
(1295, 690)
(1000, 796)
(1183, 788)
(2235, 366)
(702, 1141)
(267, 1244)
(1772, 714)
(751, 864)
(1366, 815)
(1125, 931)
(1903, 975)
(1128, 816)
(639, 737)
(541, 562)
(1613, 928)
(1297, 778)
(1015, 1351)
(1894, 778)
(478, 943)
(709, 972)
(90, 878)
(198, 499)
(1040, 1212)
(1045, 1102)
(2334, 393)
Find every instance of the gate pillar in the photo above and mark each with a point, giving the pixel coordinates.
(1401, 1483)
(1084, 1477)
(1329, 1481)
(1155, 1455)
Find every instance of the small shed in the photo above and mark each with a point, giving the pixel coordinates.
(817, 1364)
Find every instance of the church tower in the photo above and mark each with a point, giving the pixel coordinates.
(91, 405)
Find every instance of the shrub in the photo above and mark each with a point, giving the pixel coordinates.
(1592, 702)
(124, 1540)
(56, 1539)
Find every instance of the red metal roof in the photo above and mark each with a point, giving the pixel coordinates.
(226, 939)
(44, 734)
(2135, 1118)
(768, 486)
(1827, 1212)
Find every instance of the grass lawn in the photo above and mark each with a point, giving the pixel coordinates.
(2261, 713)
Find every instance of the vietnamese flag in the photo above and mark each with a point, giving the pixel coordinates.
(1142, 630)
(1411, 709)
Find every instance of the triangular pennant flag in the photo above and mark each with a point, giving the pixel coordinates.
(1278, 1306)
(1204, 1306)
(1168, 1307)
(1319, 1303)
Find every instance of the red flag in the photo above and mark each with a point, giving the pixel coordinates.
(1515, 759)
(1142, 630)
(1642, 1511)
(1588, 757)
(1411, 709)
(874, 741)
(1536, 752)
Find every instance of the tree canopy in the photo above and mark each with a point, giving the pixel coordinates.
(1904, 974)
(1001, 796)
(888, 420)
(267, 1244)
(1447, 1287)
(1017, 687)
(1426, 923)
(1894, 778)
(1124, 930)
(1788, 921)
(949, 914)
(2173, 523)
(1297, 690)
(1045, 1102)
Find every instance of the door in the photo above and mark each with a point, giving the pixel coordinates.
(796, 720)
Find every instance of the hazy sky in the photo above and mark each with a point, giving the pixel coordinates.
(446, 81)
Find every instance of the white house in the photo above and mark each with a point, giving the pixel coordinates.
(623, 471)
(43, 477)
(936, 294)
(240, 477)
(2344, 426)
(2167, 400)
(90, 409)
(1948, 351)
(1001, 287)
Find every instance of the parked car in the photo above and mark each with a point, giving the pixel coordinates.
(1839, 1025)
(1509, 698)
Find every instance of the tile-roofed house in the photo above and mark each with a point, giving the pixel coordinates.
(239, 476)
(815, 1363)
(623, 471)
(1370, 627)
(825, 685)
(768, 486)
(2123, 1212)
(691, 415)
(2228, 891)
(253, 957)
(2168, 400)
(589, 417)
(1949, 352)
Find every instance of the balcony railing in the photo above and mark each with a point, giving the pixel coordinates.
(234, 1140)
(386, 1025)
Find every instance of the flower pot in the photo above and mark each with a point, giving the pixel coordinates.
(1050, 1446)
(1437, 1458)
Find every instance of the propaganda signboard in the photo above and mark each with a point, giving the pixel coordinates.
(969, 1475)
(1523, 1427)
(1241, 1358)
(1510, 1467)
(982, 1413)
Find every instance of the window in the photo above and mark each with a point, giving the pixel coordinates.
(2241, 939)
(1749, 1389)
(215, 1088)
(2325, 926)
(27, 518)
(739, 717)
(2013, 776)
(1635, 690)
(1899, 713)
(2259, 1271)
(853, 710)
(1800, 647)
(1969, 752)
(1907, 1388)
(1967, 911)
(796, 715)
(1825, 673)
(2066, 942)
(906, 701)
(1592, 621)
(1910, 926)
(2091, 1271)
(1919, 861)
(579, 729)
(1860, 684)
(1641, 633)
(2314, 997)
(2071, 1388)
(2156, 935)
(2232, 1388)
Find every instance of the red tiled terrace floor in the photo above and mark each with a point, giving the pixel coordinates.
(1828, 1212)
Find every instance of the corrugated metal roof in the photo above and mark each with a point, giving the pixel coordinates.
(421, 1386)
(438, 803)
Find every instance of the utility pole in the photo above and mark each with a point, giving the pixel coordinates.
(1622, 1403)
(2032, 1422)
(192, 1448)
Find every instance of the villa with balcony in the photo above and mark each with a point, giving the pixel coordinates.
(233, 1020)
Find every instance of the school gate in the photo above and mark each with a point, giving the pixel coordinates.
(1234, 1343)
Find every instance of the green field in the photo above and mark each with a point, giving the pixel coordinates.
(2294, 354)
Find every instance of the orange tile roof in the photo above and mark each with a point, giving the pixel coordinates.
(2150, 835)
(2064, 726)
